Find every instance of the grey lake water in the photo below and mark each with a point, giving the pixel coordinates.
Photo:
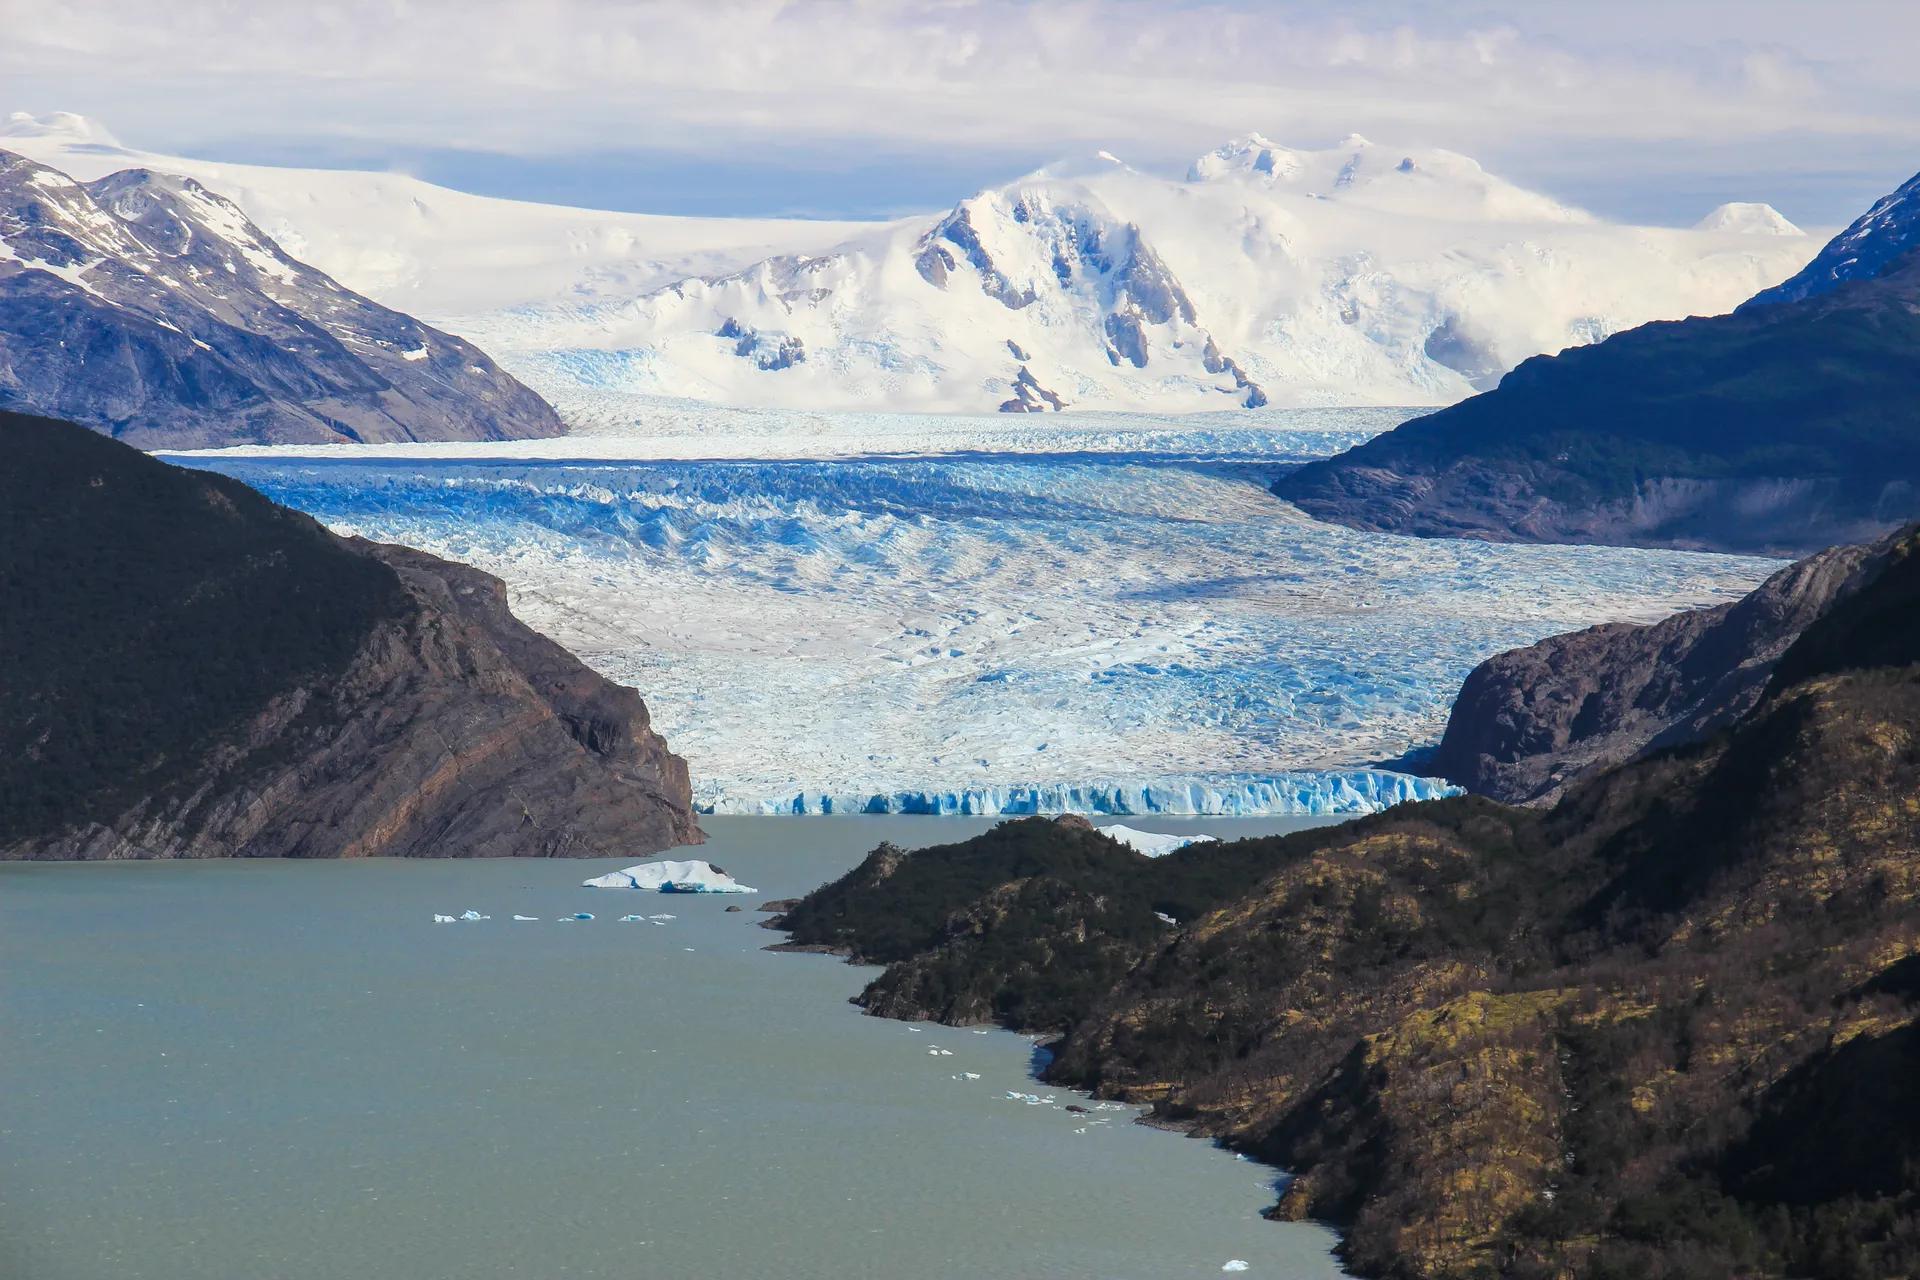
(240, 1070)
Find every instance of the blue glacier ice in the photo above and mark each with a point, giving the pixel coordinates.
(1326, 792)
(1076, 626)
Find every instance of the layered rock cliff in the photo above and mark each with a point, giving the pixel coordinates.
(193, 671)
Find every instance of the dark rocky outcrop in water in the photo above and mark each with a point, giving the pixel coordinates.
(147, 307)
(1665, 1028)
(194, 671)
(1529, 722)
(1788, 426)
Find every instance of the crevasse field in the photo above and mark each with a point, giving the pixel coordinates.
(891, 613)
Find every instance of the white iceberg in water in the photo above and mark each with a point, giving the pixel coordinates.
(473, 915)
(440, 919)
(1151, 843)
(671, 877)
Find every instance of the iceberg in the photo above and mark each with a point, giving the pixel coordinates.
(440, 919)
(1234, 1264)
(671, 877)
(473, 915)
(578, 915)
(1151, 843)
(526, 917)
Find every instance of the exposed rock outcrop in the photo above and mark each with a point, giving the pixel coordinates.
(1530, 721)
(196, 672)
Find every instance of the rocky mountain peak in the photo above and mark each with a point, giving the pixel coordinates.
(196, 328)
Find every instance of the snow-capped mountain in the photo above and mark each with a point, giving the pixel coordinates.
(436, 253)
(1749, 218)
(145, 305)
(1864, 250)
(1358, 274)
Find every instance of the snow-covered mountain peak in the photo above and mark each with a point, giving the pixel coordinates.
(64, 125)
(1748, 218)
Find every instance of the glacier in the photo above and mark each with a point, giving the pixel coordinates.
(1331, 792)
(908, 613)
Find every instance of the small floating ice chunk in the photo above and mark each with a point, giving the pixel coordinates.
(662, 919)
(578, 915)
(671, 877)
(633, 920)
(440, 919)
(1235, 1264)
(1164, 918)
(473, 915)
(526, 917)
(970, 1075)
(1152, 843)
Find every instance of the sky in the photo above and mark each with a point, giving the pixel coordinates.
(1650, 110)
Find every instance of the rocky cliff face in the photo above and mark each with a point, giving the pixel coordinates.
(145, 306)
(1529, 722)
(195, 672)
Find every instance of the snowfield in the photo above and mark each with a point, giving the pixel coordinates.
(1359, 273)
(963, 626)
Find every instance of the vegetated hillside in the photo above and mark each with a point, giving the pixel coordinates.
(148, 307)
(192, 670)
(1782, 428)
(1529, 722)
(1663, 1029)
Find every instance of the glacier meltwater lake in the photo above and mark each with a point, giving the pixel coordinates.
(218, 1070)
(896, 613)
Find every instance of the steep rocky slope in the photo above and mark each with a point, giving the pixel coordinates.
(193, 671)
(1783, 428)
(1529, 722)
(1665, 1028)
(148, 307)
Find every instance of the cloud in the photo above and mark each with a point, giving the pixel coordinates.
(1753, 81)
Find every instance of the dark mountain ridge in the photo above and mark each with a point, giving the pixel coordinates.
(1790, 425)
(194, 671)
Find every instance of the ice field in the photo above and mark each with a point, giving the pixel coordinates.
(939, 614)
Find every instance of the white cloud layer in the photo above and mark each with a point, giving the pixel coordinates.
(1752, 86)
